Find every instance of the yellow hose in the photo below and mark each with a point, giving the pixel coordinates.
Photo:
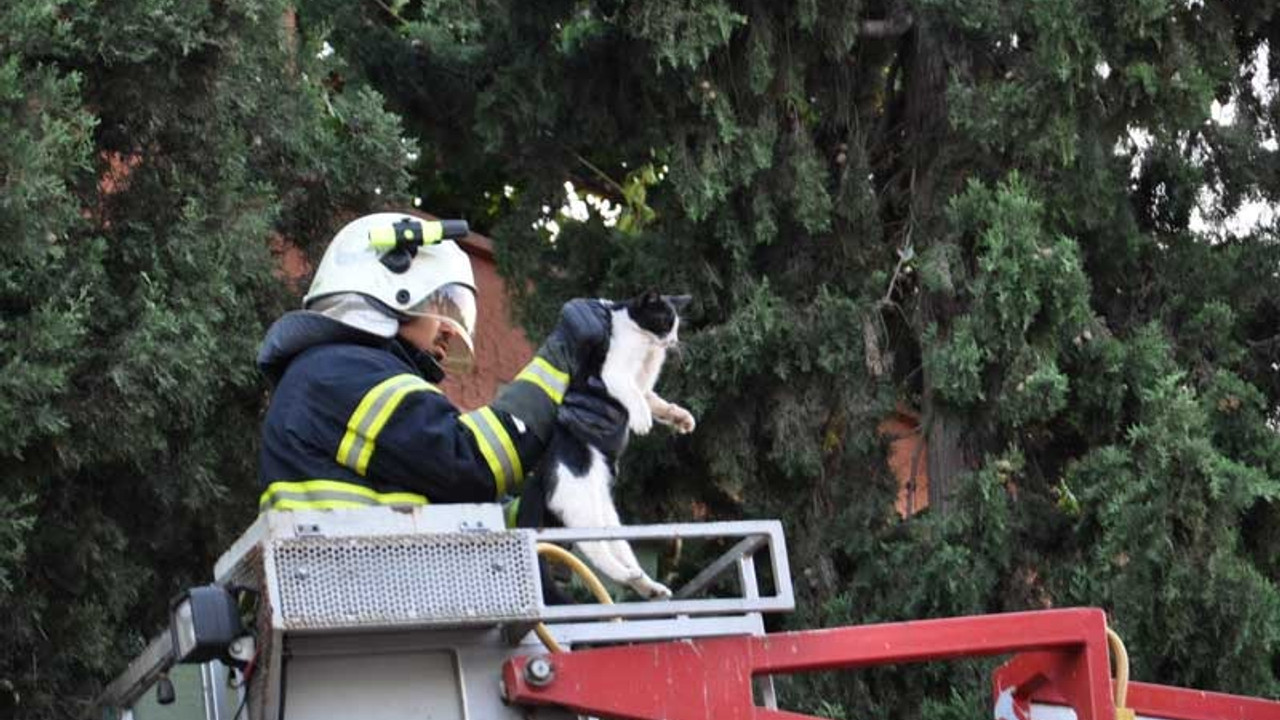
(559, 555)
(1122, 675)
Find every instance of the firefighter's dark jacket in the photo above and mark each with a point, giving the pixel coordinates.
(353, 421)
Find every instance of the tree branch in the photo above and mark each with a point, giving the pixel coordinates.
(905, 255)
(390, 11)
(1265, 344)
(599, 173)
(892, 27)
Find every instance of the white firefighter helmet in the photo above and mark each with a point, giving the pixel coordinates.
(435, 281)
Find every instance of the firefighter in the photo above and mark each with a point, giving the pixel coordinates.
(356, 418)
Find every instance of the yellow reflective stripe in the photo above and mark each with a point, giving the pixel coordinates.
(498, 449)
(402, 498)
(285, 504)
(353, 434)
(508, 447)
(559, 375)
(488, 450)
(362, 465)
(317, 486)
(371, 415)
(547, 377)
(328, 494)
(511, 513)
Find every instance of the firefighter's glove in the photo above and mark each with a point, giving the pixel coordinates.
(582, 332)
(595, 417)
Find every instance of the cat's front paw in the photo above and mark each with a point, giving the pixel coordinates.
(641, 421)
(681, 419)
(650, 589)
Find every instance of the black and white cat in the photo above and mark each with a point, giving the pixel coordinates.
(575, 478)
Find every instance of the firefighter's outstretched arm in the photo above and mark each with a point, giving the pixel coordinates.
(484, 454)
(538, 389)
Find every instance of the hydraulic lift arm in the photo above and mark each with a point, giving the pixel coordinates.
(1059, 655)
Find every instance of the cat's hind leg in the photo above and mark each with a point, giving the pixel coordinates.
(577, 501)
(621, 550)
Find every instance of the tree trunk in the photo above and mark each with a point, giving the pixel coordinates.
(928, 131)
(947, 457)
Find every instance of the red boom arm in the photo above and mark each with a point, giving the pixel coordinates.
(1060, 656)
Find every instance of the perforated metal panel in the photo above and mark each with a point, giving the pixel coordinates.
(439, 579)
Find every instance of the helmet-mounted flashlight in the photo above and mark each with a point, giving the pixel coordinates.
(412, 233)
(401, 239)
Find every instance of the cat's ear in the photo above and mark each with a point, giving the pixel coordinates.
(650, 297)
(679, 302)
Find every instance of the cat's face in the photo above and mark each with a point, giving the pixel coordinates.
(657, 314)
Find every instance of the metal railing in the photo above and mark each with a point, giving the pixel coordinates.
(756, 535)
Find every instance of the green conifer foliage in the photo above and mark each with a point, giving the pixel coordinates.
(148, 151)
(1005, 215)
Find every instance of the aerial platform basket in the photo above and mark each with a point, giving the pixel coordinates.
(353, 603)
(392, 615)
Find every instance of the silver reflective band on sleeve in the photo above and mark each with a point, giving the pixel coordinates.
(371, 415)
(547, 377)
(497, 448)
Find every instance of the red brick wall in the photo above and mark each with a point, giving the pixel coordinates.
(907, 459)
